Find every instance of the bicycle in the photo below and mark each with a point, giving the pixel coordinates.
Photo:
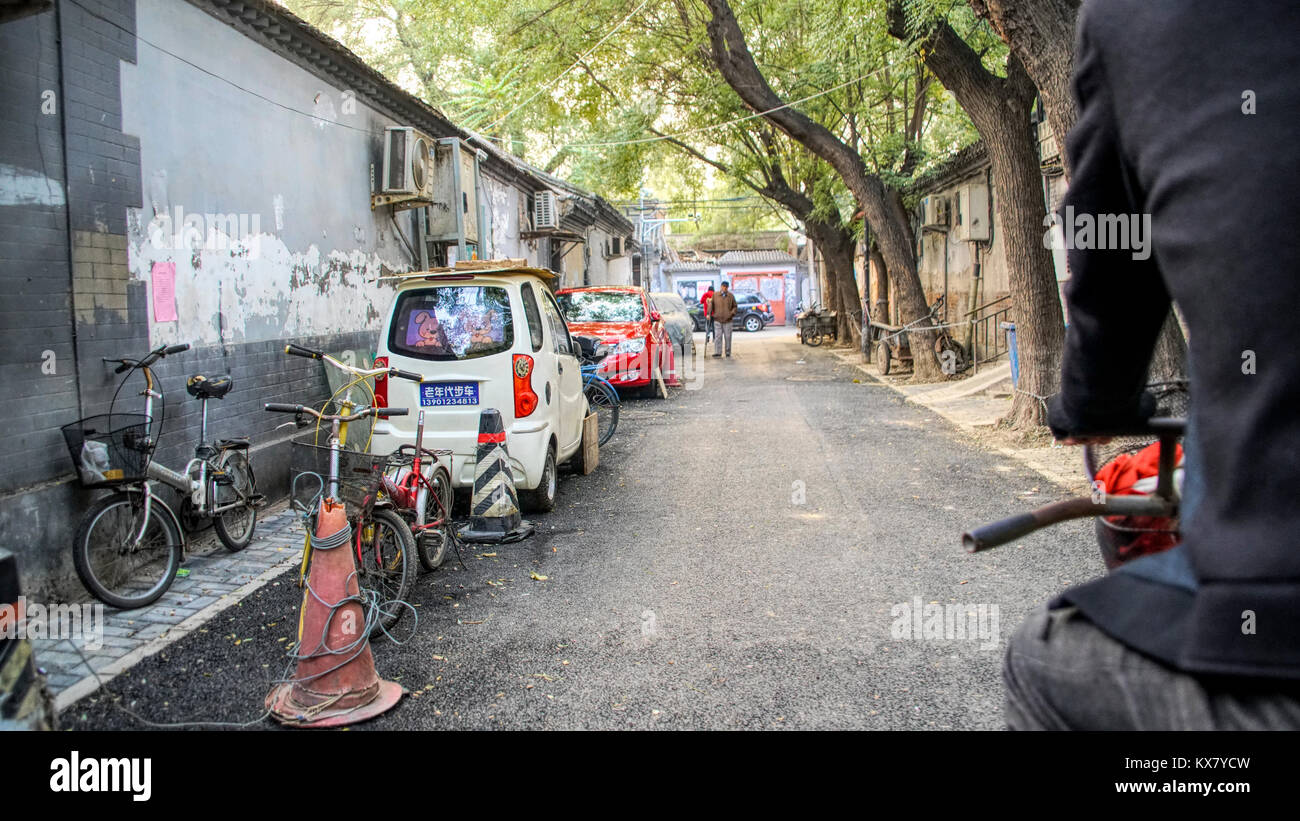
(1124, 521)
(601, 395)
(815, 325)
(382, 543)
(129, 544)
(422, 495)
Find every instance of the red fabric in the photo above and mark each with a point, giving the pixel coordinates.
(1117, 477)
(704, 300)
(1121, 473)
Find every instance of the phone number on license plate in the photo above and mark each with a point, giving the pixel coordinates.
(448, 393)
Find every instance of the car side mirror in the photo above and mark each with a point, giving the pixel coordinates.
(655, 316)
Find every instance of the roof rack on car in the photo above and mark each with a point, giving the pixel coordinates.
(471, 268)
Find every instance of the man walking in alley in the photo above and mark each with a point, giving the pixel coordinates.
(722, 308)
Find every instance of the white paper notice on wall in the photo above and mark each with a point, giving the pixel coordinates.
(164, 292)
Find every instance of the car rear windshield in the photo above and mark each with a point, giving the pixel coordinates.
(601, 306)
(452, 322)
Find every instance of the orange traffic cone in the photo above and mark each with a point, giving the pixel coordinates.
(335, 682)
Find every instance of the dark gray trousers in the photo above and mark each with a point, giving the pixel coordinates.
(1062, 673)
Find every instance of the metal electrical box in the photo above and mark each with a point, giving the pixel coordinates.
(972, 220)
(454, 212)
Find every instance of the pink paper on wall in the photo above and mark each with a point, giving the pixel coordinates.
(164, 292)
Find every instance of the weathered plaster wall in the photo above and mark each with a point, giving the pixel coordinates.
(961, 260)
(256, 186)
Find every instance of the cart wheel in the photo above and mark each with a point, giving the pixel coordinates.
(883, 354)
(813, 338)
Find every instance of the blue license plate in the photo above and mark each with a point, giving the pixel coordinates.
(439, 394)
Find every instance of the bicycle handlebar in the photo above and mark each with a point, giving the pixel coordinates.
(1022, 524)
(281, 407)
(299, 350)
(153, 356)
(1162, 504)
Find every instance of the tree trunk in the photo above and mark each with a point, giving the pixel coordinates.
(1169, 360)
(1000, 108)
(836, 244)
(1041, 34)
(894, 235)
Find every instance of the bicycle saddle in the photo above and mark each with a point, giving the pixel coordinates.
(208, 387)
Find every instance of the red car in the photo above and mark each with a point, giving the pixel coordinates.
(622, 318)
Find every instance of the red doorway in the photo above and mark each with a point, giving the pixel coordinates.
(770, 284)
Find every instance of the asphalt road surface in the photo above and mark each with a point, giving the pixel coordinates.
(738, 561)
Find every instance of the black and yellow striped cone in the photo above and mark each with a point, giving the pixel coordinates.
(494, 511)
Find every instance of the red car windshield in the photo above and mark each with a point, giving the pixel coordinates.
(601, 306)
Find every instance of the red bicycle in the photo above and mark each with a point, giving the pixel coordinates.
(419, 486)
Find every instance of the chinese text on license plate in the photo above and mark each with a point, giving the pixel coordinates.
(433, 394)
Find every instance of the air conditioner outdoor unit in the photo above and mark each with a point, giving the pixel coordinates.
(407, 163)
(546, 211)
(934, 212)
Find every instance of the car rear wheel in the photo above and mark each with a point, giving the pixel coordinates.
(753, 324)
(542, 499)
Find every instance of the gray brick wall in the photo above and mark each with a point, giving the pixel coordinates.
(34, 279)
(66, 289)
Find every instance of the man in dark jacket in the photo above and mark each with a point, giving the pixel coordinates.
(722, 309)
(1187, 130)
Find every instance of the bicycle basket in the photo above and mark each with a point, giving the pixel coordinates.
(110, 449)
(1122, 538)
(360, 475)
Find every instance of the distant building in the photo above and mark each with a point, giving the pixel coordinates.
(769, 273)
(691, 279)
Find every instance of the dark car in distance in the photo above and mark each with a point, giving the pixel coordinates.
(752, 312)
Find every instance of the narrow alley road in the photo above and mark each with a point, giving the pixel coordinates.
(733, 563)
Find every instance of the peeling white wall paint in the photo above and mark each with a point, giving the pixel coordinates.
(232, 294)
(23, 186)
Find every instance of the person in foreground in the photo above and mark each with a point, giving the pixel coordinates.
(1186, 130)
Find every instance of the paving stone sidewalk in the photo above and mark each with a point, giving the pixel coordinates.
(217, 580)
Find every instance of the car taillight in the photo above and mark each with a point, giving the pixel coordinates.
(381, 383)
(525, 397)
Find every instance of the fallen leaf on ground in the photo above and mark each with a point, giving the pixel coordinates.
(537, 576)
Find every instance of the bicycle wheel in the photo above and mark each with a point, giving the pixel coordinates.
(235, 526)
(604, 401)
(431, 544)
(387, 565)
(116, 573)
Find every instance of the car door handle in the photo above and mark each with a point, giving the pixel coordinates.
(561, 366)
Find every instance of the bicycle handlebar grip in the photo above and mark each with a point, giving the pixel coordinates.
(184, 346)
(414, 377)
(123, 368)
(281, 407)
(999, 533)
(392, 411)
(298, 350)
